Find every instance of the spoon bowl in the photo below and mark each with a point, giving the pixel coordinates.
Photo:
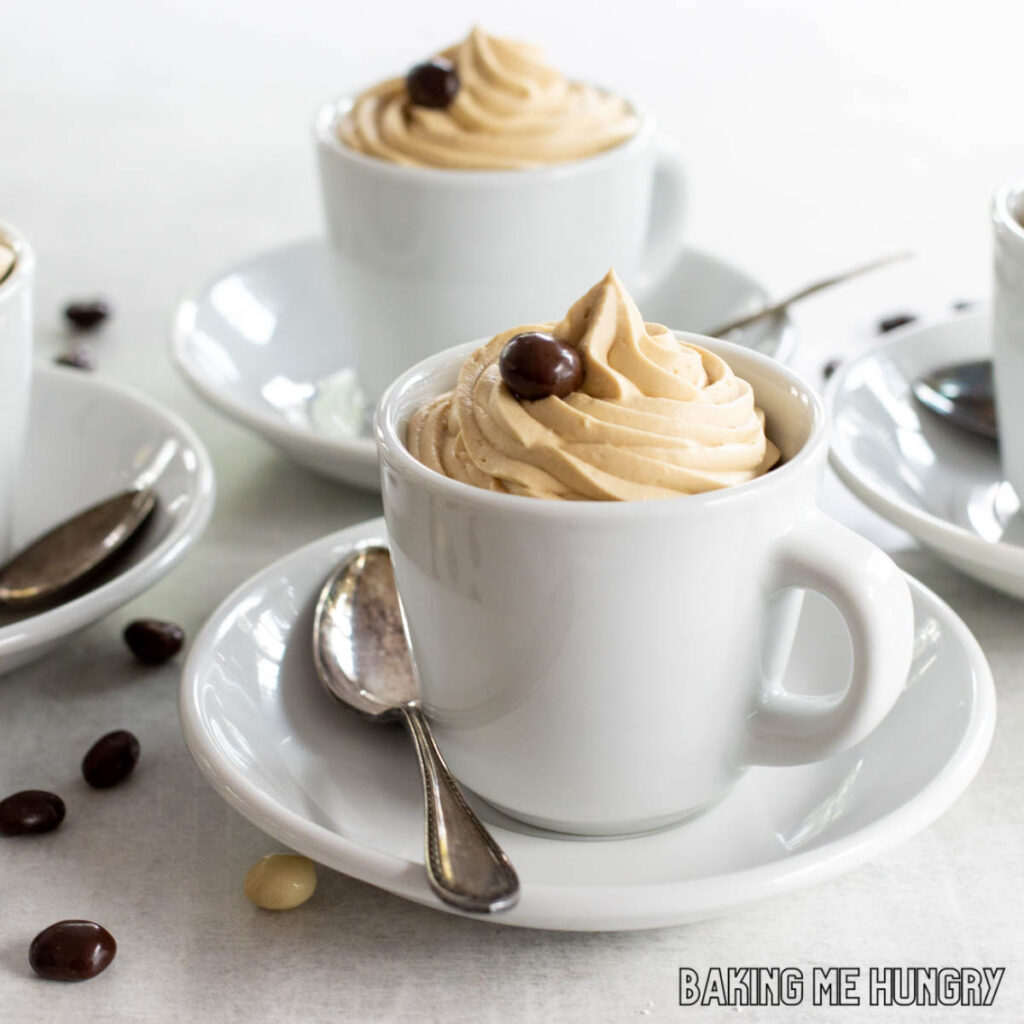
(54, 565)
(963, 394)
(359, 646)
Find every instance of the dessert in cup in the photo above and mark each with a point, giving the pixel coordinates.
(598, 554)
(483, 185)
(1008, 327)
(954, 490)
(17, 270)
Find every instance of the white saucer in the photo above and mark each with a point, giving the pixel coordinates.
(346, 792)
(941, 484)
(260, 344)
(88, 439)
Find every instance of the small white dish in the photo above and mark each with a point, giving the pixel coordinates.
(88, 439)
(346, 792)
(941, 484)
(262, 345)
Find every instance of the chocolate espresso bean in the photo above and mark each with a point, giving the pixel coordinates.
(433, 84)
(110, 759)
(153, 641)
(890, 323)
(30, 812)
(535, 365)
(72, 951)
(830, 368)
(86, 316)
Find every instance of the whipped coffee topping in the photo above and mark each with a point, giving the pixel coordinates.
(512, 110)
(7, 259)
(655, 417)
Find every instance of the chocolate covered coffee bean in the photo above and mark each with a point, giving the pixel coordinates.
(72, 951)
(537, 365)
(30, 812)
(433, 84)
(110, 759)
(153, 641)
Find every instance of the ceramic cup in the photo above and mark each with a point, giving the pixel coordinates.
(423, 255)
(605, 668)
(15, 372)
(1008, 328)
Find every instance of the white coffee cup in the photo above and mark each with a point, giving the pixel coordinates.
(15, 372)
(612, 667)
(1008, 328)
(424, 255)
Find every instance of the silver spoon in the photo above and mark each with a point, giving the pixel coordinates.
(963, 394)
(362, 659)
(811, 289)
(55, 563)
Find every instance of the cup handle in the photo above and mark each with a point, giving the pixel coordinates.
(668, 211)
(873, 597)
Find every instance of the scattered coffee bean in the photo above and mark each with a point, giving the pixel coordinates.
(890, 323)
(830, 368)
(72, 951)
(964, 304)
(77, 359)
(110, 759)
(433, 84)
(86, 316)
(153, 641)
(280, 881)
(30, 812)
(535, 365)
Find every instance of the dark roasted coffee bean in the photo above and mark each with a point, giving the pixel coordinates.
(72, 951)
(77, 359)
(830, 368)
(153, 641)
(964, 304)
(30, 812)
(433, 84)
(110, 759)
(536, 365)
(86, 316)
(890, 323)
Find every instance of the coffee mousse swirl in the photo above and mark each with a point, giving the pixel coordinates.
(512, 110)
(654, 417)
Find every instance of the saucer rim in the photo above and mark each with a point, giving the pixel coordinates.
(134, 579)
(361, 451)
(942, 534)
(619, 907)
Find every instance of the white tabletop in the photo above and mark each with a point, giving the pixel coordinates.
(145, 149)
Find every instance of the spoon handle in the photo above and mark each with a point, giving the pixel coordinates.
(783, 304)
(465, 866)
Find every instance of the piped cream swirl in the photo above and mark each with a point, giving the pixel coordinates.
(7, 260)
(512, 110)
(655, 417)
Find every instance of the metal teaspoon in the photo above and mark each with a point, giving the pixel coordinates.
(363, 660)
(53, 564)
(811, 289)
(963, 394)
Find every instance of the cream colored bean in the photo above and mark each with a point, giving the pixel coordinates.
(280, 881)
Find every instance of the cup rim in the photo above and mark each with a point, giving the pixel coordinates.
(392, 447)
(24, 257)
(1007, 196)
(328, 115)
